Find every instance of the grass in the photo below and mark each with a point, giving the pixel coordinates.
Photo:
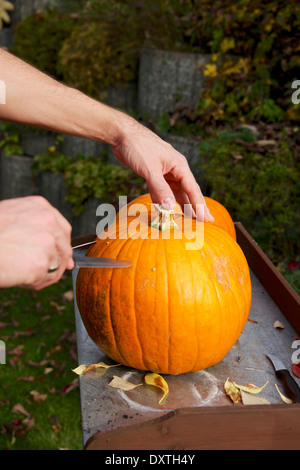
(39, 394)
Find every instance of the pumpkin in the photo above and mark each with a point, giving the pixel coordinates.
(176, 310)
(219, 212)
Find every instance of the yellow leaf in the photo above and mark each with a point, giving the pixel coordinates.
(210, 70)
(118, 382)
(227, 43)
(237, 392)
(82, 369)
(249, 399)
(250, 388)
(284, 399)
(157, 381)
(232, 391)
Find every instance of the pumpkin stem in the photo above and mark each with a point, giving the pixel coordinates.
(164, 220)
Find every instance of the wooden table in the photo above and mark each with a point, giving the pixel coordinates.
(196, 413)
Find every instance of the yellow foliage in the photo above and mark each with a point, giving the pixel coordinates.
(210, 70)
(4, 8)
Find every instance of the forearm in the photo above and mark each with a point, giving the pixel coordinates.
(36, 99)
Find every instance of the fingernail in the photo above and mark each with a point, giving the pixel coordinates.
(169, 203)
(211, 218)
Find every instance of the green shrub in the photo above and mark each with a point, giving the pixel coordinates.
(39, 38)
(90, 177)
(258, 180)
(105, 48)
(254, 49)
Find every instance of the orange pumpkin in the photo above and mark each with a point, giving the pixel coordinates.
(175, 310)
(219, 212)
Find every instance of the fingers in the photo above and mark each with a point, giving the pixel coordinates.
(160, 190)
(46, 241)
(179, 185)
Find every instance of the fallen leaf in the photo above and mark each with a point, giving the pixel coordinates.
(278, 324)
(286, 400)
(293, 265)
(69, 387)
(236, 155)
(265, 142)
(82, 369)
(235, 392)
(38, 397)
(28, 378)
(250, 388)
(58, 307)
(249, 399)
(157, 381)
(232, 391)
(18, 408)
(118, 382)
(68, 296)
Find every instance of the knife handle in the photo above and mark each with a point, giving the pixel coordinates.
(290, 383)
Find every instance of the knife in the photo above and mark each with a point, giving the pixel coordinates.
(285, 376)
(82, 261)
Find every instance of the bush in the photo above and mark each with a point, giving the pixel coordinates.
(255, 58)
(105, 48)
(90, 177)
(258, 179)
(39, 38)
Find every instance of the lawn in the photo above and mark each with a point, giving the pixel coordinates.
(39, 394)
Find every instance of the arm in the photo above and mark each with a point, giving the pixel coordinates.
(34, 98)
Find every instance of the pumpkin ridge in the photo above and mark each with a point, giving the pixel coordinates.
(195, 306)
(239, 306)
(134, 303)
(217, 297)
(85, 296)
(236, 250)
(168, 309)
(110, 293)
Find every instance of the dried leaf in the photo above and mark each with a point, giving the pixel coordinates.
(237, 392)
(232, 391)
(38, 397)
(249, 399)
(18, 408)
(157, 381)
(82, 369)
(236, 155)
(284, 399)
(265, 142)
(118, 382)
(68, 296)
(69, 387)
(278, 324)
(27, 378)
(250, 388)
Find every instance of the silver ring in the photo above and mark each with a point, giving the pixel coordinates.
(54, 268)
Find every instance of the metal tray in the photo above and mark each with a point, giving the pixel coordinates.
(196, 413)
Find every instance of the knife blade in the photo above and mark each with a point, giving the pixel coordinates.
(82, 261)
(285, 376)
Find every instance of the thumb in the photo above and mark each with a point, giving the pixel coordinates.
(160, 191)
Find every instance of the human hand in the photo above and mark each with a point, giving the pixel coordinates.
(33, 237)
(165, 170)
